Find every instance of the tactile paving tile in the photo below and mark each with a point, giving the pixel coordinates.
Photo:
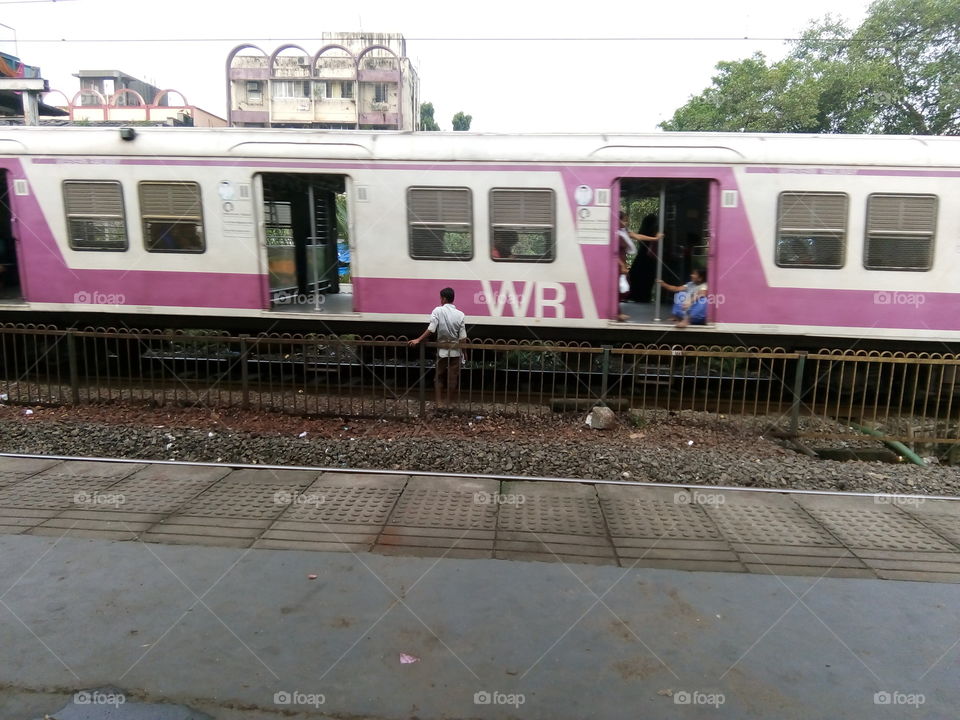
(564, 515)
(656, 519)
(52, 491)
(947, 525)
(7, 478)
(241, 500)
(859, 528)
(332, 504)
(158, 496)
(744, 523)
(445, 509)
(16, 469)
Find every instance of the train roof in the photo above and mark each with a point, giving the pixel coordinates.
(441, 147)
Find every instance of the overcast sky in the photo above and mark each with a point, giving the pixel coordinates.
(557, 79)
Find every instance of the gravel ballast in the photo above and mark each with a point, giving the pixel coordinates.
(687, 447)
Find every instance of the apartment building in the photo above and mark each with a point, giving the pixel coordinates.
(354, 81)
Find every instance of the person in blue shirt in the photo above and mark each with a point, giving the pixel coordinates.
(690, 301)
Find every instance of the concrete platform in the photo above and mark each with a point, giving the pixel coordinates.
(205, 592)
(245, 634)
(632, 526)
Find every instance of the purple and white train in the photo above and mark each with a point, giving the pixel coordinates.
(802, 236)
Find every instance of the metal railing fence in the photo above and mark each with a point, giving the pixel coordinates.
(910, 397)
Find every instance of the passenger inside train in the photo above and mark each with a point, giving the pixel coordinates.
(503, 243)
(690, 302)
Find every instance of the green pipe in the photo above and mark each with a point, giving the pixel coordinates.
(898, 447)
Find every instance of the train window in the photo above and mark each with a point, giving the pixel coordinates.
(900, 232)
(440, 222)
(811, 229)
(522, 226)
(95, 217)
(172, 217)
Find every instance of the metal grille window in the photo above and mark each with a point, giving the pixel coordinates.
(172, 217)
(522, 225)
(254, 94)
(95, 217)
(440, 223)
(811, 229)
(900, 232)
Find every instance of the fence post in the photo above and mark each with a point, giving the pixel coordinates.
(797, 394)
(244, 372)
(605, 378)
(72, 364)
(423, 378)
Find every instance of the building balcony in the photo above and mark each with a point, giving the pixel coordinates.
(378, 76)
(336, 110)
(291, 110)
(249, 73)
(250, 116)
(380, 118)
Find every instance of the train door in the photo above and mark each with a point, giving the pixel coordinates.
(9, 269)
(305, 235)
(680, 209)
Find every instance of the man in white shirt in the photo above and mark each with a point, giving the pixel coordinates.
(450, 326)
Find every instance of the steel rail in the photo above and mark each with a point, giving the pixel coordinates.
(475, 476)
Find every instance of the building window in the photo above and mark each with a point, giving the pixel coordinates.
(172, 217)
(346, 89)
(254, 92)
(900, 232)
(95, 217)
(321, 89)
(291, 88)
(440, 222)
(522, 225)
(380, 92)
(811, 230)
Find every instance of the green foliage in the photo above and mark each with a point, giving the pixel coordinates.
(426, 117)
(898, 73)
(461, 121)
(457, 243)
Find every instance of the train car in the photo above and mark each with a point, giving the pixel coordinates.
(818, 237)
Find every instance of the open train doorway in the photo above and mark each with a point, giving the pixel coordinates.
(10, 290)
(680, 209)
(307, 243)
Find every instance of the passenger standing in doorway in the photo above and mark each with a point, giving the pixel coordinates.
(643, 272)
(450, 326)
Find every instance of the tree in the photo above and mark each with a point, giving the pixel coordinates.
(426, 117)
(898, 73)
(461, 121)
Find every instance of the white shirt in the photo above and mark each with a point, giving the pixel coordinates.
(449, 325)
(631, 246)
